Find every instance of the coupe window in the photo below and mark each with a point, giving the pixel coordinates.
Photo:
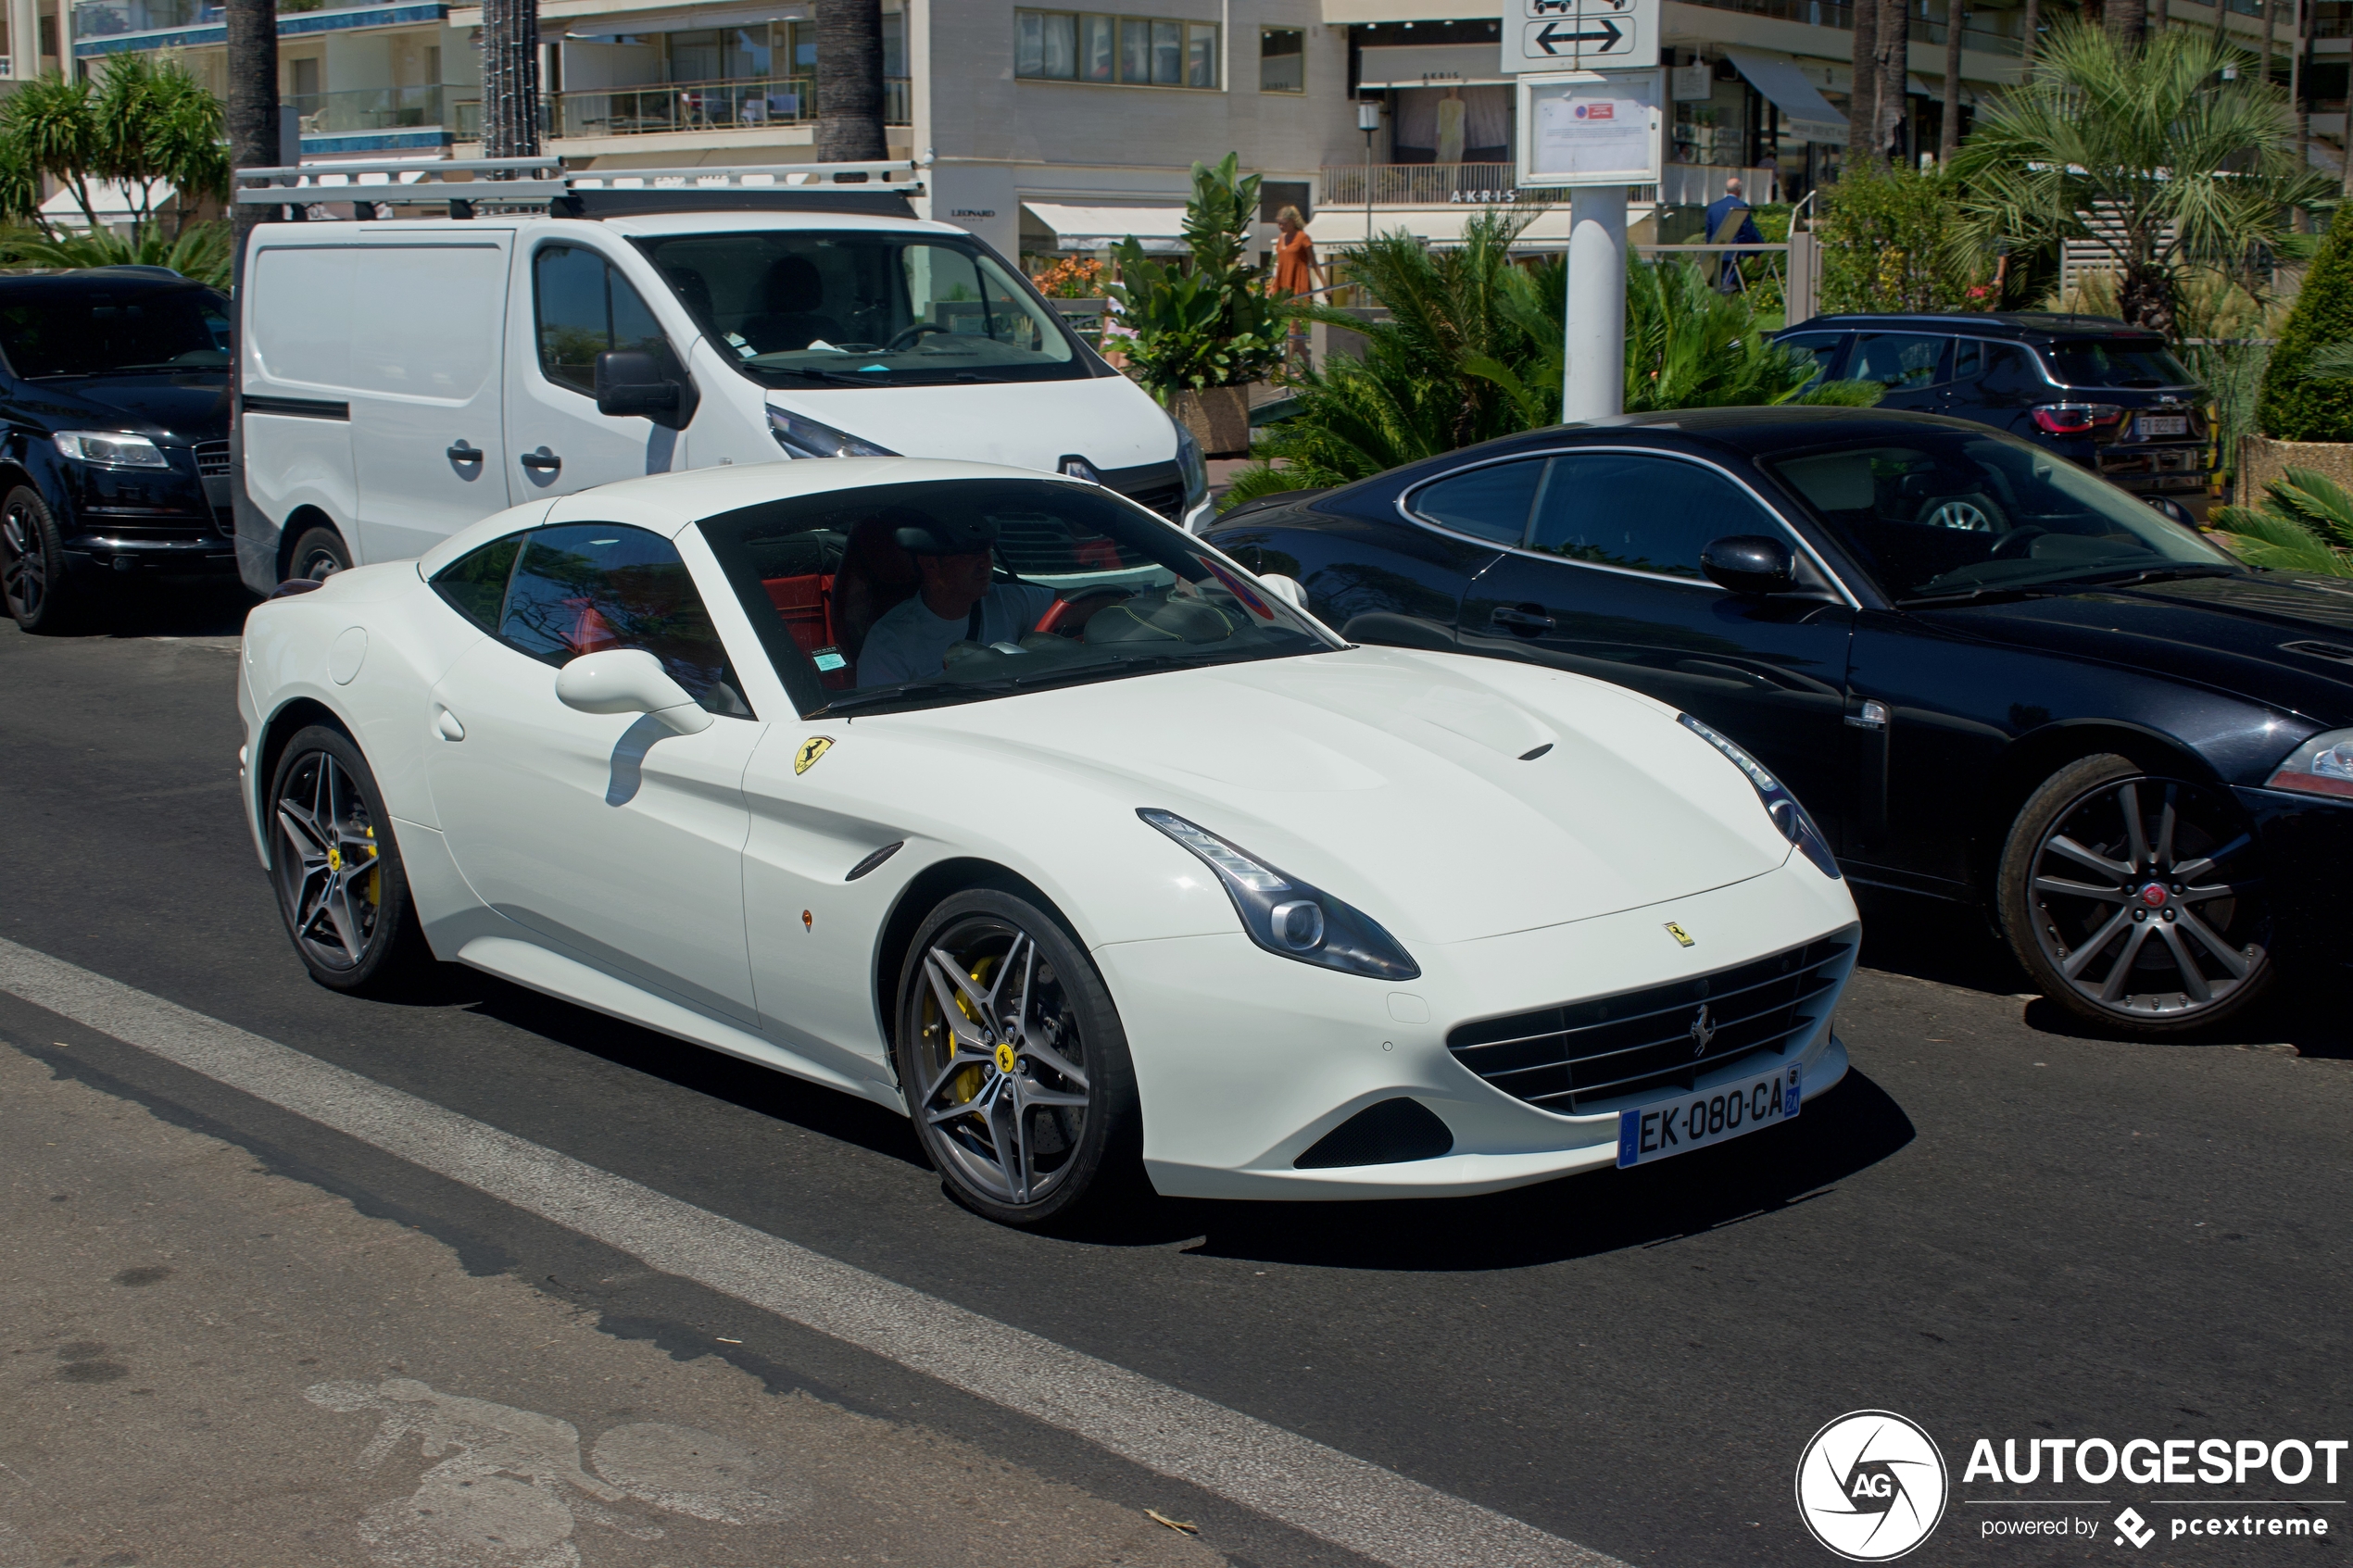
(1101, 589)
(1486, 503)
(558, 593)
(855, 309)
(1641, 513)
(1937, 516)
(137, 331)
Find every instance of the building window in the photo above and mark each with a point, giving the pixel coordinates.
(1282, 60)
(1133, 51)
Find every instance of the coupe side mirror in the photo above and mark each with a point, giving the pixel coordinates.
(1750, 563)
(630, 381)
(629, 681)
(1291, 590)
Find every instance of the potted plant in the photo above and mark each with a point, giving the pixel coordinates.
(1203, 334)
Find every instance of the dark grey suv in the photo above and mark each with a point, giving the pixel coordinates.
(2093, 390)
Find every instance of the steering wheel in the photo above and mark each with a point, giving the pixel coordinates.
(907, 337)
(1058, 622)
(2018, 544)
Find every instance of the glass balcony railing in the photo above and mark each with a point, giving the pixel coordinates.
(110, 19)
(667, 107)
(367, 108)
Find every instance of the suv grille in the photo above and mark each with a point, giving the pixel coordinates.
(212, 459)
(1560, 1058)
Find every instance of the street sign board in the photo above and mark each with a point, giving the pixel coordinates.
(1552, 35)
(1591, 127)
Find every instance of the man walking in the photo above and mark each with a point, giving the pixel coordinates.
(1728, 223)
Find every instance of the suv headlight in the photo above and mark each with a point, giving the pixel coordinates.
(110, 449)
(1190, 464)
(1285, 915)
(1780, 804)
(803, 437)
(2323, 765)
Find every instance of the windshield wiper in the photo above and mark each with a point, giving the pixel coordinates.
(2126, 577)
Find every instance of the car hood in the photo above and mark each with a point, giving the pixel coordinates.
(1395, 780)
(1108, 421)
(2278, 638)
(175, 408)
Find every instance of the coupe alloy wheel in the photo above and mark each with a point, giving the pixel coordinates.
(2147, 902)
(330, 873)
(1001, 1091)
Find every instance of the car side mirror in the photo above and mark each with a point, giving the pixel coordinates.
(629, 382)
(629, 681)
(1291, 590)
(1750, 563)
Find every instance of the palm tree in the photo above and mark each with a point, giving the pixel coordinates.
(157, 126)
(253, 98)
(849, 81)
(1893, 49)
(510, 78)
(2145, 149)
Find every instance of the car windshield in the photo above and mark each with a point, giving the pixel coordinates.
(103, 332)
(862, 309)
(1081, 586)
(1932, 515)
(2095, 362)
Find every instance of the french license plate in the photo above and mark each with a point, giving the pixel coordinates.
(1651, 1132)
(2165, 425)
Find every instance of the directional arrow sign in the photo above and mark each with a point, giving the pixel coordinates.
(1583, 34)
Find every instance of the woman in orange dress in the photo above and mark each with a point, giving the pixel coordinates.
(1297, 274)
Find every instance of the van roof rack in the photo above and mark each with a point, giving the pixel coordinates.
(507, 183)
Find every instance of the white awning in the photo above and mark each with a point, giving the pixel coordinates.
(1099, 228)
(1809, 113)
(1432, 65)
(110, 199)
(1338, 12)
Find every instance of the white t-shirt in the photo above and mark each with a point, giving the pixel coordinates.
(911, 643)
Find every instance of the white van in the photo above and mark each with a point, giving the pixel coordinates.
(404, 377)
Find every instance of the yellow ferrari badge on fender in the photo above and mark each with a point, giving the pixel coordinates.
(1680, 935)
(811, 749)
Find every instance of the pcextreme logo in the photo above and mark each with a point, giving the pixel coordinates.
(1871, 1486)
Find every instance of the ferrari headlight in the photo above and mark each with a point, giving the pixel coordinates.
(1191, 465)
(110, 449)
(1780, 804)
(2323, 765)
(1285, 915)
(803, 437)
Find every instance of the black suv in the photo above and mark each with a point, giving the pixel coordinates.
(2093, 390)
(114, 434)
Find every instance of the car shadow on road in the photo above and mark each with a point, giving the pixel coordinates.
(1930, 939)
(1848, 1130)
(139, 607)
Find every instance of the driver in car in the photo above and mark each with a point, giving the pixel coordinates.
(956, 600)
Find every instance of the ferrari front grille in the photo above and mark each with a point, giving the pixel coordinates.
(1563, 1058)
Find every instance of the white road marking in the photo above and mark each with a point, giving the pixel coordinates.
(1294, 1480)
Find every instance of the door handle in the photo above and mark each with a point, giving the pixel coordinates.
(1522, 618)
(461, 453)
(542, 461)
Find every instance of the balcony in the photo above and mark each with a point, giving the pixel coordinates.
(672, 108)
(114, 19)
(1925, 28)
(367, 108)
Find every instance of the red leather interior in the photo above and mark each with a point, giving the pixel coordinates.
(806, 605)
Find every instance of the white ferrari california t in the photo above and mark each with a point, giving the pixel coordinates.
(990, 796)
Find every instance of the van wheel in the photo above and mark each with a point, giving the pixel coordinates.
(318, 553)
(32, 563)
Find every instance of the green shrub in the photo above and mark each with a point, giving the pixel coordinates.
(2298, 405)
(1211, 324)
(1886, 243)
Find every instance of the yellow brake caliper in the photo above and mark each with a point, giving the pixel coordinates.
(965, 1085)
(375, 872)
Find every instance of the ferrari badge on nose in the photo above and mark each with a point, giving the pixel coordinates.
(1676, 932)
(811, 749)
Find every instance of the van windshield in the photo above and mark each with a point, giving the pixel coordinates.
(116, 331)
(855, 309)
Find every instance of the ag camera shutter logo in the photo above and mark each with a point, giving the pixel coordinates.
(1871, 1486)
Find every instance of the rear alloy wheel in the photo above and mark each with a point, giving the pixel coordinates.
(340, 884)
(1013, 1062)
(318, 553)
(2136, 900)
(32, 563)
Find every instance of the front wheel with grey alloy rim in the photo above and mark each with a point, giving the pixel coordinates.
(1013, 1063)
(340, 882)
(32, 563)
(2136, 900)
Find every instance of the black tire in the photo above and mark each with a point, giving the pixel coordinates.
(352, 921)
(2135, 900)
(1066, 1043)
(32, 564)
(319, 553)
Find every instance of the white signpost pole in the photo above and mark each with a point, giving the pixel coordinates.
(1591, 124)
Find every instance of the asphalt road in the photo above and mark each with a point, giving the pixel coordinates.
(1998, 1226)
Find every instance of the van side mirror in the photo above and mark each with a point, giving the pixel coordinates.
(1750, 563)
(629, 382)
